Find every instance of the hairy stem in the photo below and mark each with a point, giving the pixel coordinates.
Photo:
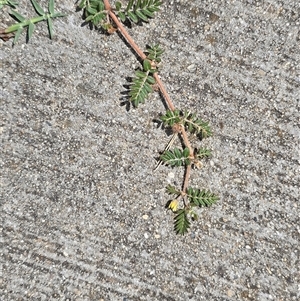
(123, 31)
(187, 142)
(186, 181)
(140, 53)
(163, 90)
(107, 5)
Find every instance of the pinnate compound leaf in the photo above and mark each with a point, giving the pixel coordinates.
(23, 22)
(176, 157)
(138, 10)
(172, 190)
(203, 153)
(201, 197)
(181, 222)
(154, 53)
(94, 12)
(171, 117)
(141, 87)
(196, 125)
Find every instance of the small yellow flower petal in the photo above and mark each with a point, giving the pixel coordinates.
(173, 205)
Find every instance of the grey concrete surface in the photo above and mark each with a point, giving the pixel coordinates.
(82, 211)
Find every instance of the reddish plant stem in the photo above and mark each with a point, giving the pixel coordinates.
(186, 181)
(123, 31)
(164, 92)
(107, 5)
(140, 53)
(187, 142)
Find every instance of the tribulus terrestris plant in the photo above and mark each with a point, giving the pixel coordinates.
(184, 124)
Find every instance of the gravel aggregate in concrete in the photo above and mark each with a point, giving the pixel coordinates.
(82, 211)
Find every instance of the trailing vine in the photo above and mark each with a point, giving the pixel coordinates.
(184, 124)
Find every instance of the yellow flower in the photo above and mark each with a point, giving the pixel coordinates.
(174, 205)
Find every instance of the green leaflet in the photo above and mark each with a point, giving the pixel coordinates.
(171, 117)
(154, 53)
(196, 125)
(146, 65)
(30, 30)
(191, 123)
(51, 7)
(118, 5)
(50, 27)
(132, 16)
(82, 4)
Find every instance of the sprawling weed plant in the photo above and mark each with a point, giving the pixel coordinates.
(184, 124)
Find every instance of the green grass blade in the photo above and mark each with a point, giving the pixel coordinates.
(9, 3)
(50, 27)
(19, 31)
(30, 30)
(51, 7)
(17, 16)
(55, 15)
(37, 8)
